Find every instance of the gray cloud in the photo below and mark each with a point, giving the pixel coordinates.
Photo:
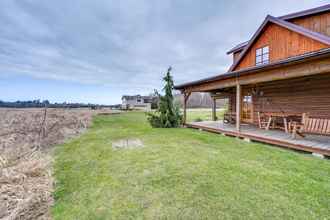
(127, 44)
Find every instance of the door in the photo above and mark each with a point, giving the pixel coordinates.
(247, 107)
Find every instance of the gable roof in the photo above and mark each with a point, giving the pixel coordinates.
(293, 27)
(308, 12)
(238, 47)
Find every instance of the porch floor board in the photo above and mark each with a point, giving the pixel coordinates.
(312, 143)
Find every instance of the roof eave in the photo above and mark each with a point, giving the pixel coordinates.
(307, 12)
(238, 47)
(234, 51)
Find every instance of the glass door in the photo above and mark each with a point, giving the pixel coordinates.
(247, 108)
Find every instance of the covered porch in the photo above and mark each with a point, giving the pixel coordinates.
(284, 91)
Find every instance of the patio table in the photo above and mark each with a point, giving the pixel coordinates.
(283, 116)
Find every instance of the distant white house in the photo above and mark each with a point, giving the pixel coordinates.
(138, 102)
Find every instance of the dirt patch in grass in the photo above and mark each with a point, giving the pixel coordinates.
(128, 143)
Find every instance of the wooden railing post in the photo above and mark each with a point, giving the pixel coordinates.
(238, 107)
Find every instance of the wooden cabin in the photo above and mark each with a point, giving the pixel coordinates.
(279, 75)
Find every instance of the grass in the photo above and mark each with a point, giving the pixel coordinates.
(184, 174)
(204, 114)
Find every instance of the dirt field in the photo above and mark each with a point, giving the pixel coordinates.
(26, 138)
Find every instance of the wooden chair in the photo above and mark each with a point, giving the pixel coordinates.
(229, 117)
(262, 120)
(317, 126)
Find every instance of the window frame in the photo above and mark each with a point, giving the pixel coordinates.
(262, 55)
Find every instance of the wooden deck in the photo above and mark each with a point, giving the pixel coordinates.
(312, 144)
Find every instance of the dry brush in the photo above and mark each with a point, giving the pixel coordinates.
(26, 137)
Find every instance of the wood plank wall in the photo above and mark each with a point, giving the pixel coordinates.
(282, 43)
(300, 95)
(318, 23)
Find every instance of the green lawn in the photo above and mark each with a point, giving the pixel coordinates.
(184, 174)
(202, 114)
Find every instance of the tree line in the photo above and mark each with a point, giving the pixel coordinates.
(45, 103)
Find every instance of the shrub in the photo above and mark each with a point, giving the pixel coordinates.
(168, 114)
(198, 120)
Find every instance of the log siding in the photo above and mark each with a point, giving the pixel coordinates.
(301, 95)
(319, 23)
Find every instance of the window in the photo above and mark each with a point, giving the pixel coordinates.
(262, 55)
(247, 99)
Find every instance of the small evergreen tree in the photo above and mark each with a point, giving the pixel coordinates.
(167, 114)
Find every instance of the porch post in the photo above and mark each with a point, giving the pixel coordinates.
(214, 109)
(185, 99)
(238, 107)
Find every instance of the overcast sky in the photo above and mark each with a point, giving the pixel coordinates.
(97, 50)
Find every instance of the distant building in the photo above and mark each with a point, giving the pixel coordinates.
(139, 102)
